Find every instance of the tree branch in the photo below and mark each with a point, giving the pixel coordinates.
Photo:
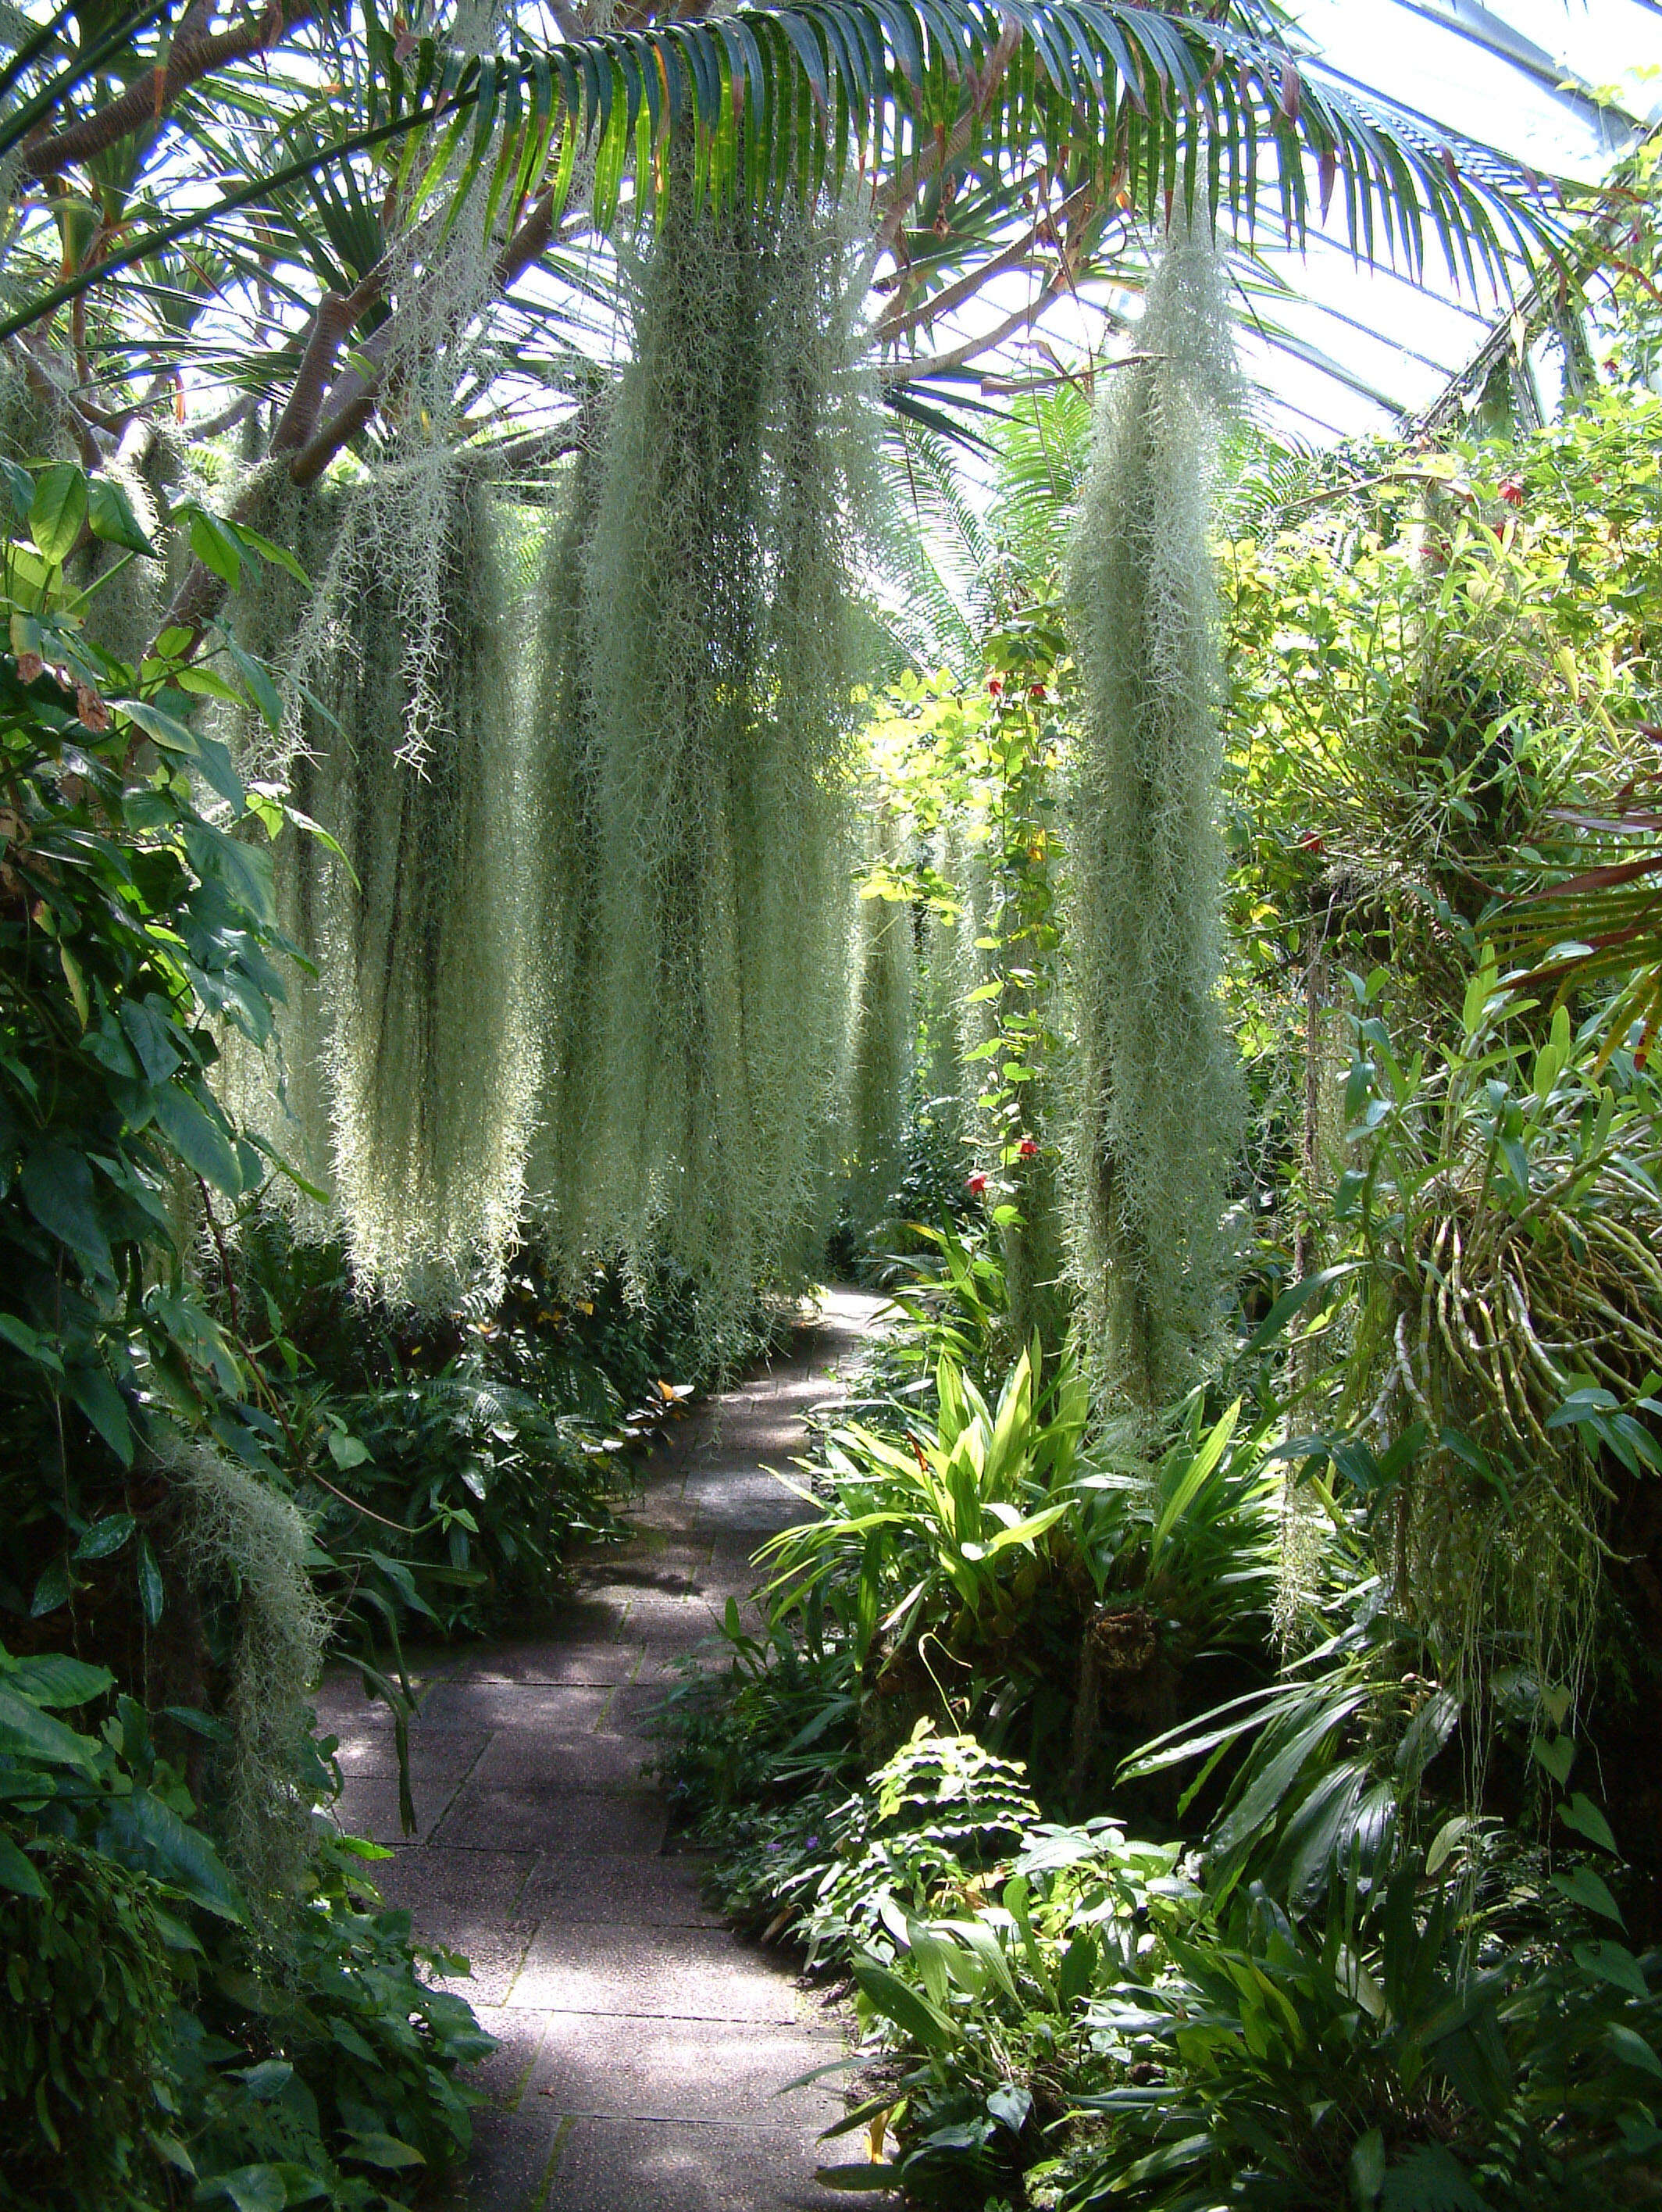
(352, 401)
(149, 97)
(900, 319)
(333, 318)
(941, 364)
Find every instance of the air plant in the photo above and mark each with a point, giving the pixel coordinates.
(719, 643)
(1157, 1095)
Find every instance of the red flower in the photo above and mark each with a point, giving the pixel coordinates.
(1512, 491)
(1028, 1147)
(1035, 691)
(995, 684)
(975, 1185)
(1310, 842)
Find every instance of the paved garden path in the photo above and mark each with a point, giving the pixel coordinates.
(642, 2047)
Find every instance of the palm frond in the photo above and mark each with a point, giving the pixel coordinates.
(1146, 110)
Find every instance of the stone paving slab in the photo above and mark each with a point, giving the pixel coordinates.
(518, 1758)
(478, 1898)
(691, 2069)
(632, 1708)
(662, 1670)
(601, 1660)
(562, 1708)
(634, 2166)
(615, 1890)
(438, 1754)
(472, 1893)
(672, 1569)
(506, 2075)
(653, 1973)
(514, 1819)
(368, 1806)
(512, 2161)
(730, 1500)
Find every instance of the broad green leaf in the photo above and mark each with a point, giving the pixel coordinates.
(57, 510)
(912, 2014)
(257, 678)
(198, 1140)
(151, 1595)
(1611, 1962)
(1195, 1476)
(110, 512)
(1555, 1703)
(1443, 1843)
(214, 546)
(51, 1589)
(268, 549)
(1429, 2179)
(208, 685)
(17, 1872)
(181, 1856)
(250, 2188)
(54, 1680)
(1368, 2167)
(163, 729)
(103, 1537)
(1554, 1753)
(382, 2150)
(57, 1183)
(1632, 2049)
(24, 1728)
(1291, 1303)
(1586, 1888)
(20, 488)
(1269, 1782)
(155, 1037)
(1584, 1817)
(97, 1397)
(219, 772)
(22, 1338)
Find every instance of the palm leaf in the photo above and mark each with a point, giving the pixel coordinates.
(1147, 109)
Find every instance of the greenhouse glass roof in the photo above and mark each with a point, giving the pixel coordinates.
(1562, 85)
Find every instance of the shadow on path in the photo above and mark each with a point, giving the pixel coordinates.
(642, 2047)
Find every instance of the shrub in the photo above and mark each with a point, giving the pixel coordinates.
(83, 2034)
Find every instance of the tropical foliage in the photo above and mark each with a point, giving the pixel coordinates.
(1247, 1815)
(462, 474)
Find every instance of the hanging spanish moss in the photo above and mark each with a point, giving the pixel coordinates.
(1156, 1085)
(563, 890)
(404, 1069)
(719, 656)
(243, 1549)
(882, 1027)
(283, 1090)
(418, 936)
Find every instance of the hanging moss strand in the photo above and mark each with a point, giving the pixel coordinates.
(1158, 1109)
